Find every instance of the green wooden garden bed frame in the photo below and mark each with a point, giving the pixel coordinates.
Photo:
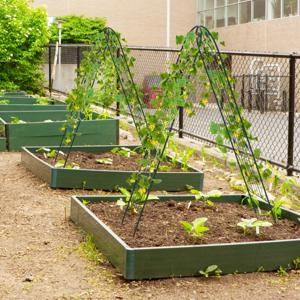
(31, 107)
(103, 179)
(178, 261)
(19, 99)
(39, 133)
(3, 146)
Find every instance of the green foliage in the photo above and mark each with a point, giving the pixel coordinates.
(104, 161)
(23, 36)
(296, 263)
(246, 224)
(48, 153)
(124, 151)
(42, 101)
(196, 228)
(212, 270)
(89, 250)
(77, 29)
(4, 101)
(61, 162)
(16, 120)
(199, 195)
(282, 271)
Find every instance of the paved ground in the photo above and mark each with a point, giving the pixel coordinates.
(271, 129)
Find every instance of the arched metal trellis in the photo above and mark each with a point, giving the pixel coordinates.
(221, 85)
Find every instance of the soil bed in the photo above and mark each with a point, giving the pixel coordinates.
(119, 162)
(160, 225)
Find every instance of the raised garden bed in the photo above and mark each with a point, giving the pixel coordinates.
(102, 178)
(227, 247)
(3, 146)
(31, 107)
(19, 99)
(36, 132)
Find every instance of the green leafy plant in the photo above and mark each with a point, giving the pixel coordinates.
(184, 157)
(196, 228)
(85, 202)
(212, 270)
(296, 263)
(77, 29)
(123, 151)
(48, 153)
(4, 101)
(276, 209)
(104, 161)
(16, 120)
(61, 162)
(23, 36)
(282, 271)
(246, 224)
(199, 195)
(42, 101)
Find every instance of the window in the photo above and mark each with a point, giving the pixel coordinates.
(232, 15)
(220, 13)
(209, 19)
(259, 10)
(220, 17)
(274, 9)
(289, 7)
(245, 12)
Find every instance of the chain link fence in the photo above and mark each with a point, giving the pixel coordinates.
(268, 86)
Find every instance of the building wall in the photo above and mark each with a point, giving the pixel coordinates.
(142, 23)
(278, 35)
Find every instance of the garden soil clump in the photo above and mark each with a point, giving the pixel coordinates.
(119, 162)
(161, 226)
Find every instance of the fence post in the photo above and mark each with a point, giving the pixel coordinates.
(291, 116)
(180, 122)
(78, 59)
(50, 70)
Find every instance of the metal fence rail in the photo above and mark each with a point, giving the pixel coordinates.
(268, 87)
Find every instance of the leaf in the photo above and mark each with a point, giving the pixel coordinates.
(186, 225)
(105, 161)
(211, 268)
(179, 39)
(214, 128)
(257, 153)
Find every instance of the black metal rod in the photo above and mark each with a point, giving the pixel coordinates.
(78, 58)
(291, 118)
(180, 121)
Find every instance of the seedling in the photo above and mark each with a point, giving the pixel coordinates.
(196, 228)
(184, 157)
(85, 202)
(246, 224)
(48, 153)
(212, 270)
(276, 210)
(205, 197)
(282, 271)
(104, 161)
(123, 151)
(16, 120)
(296, 263)
(60, 164)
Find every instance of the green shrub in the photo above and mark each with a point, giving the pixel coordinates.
(23, 36)
(77, 29)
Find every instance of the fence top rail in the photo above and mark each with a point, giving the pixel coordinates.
(166, 49)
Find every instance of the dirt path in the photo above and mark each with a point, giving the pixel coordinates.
(39, 257)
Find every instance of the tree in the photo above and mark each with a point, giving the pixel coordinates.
(23, 37)
(77, 29)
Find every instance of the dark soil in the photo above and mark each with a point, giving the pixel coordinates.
(122, 163)
(160, 224)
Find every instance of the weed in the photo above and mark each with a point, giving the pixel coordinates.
(212, 270)
(89, 250)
